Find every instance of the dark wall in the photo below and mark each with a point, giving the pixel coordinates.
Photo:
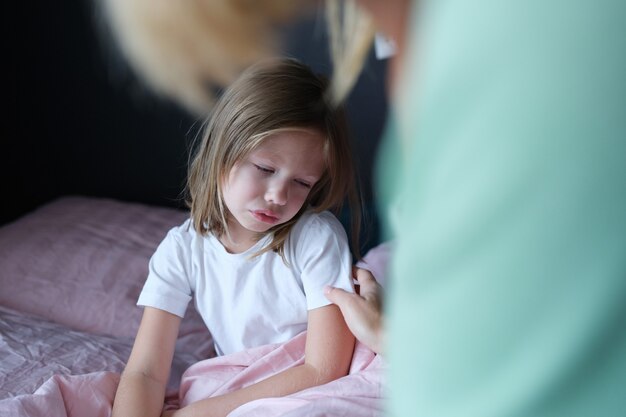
(80, 123)
(83, 124)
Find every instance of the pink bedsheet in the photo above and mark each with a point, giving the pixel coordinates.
(360, 393)
(33, 350)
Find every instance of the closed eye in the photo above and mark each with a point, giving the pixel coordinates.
(263, 169)
(303, 183)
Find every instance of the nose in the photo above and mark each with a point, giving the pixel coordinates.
(277, 193)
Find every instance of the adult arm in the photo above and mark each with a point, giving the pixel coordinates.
(328, 352)
(142, 387)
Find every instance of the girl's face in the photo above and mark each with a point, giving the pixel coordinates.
(270, 185)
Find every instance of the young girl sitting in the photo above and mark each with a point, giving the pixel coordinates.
(259, 247)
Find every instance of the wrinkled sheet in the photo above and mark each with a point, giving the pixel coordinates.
(33, 350)
(360, 393)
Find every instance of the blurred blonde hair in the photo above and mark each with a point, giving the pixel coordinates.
(351, 32)
(180, 48)
(271, 96)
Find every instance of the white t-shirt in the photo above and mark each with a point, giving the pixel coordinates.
(250, 302)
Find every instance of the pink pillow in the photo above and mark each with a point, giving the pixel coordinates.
(82, 262)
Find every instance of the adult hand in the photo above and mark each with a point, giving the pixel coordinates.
(362, 311)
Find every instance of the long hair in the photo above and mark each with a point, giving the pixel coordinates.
(271, 96)
(351, 33)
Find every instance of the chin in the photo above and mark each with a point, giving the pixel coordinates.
(259, 227)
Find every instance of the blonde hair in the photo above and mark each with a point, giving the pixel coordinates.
(351, 32)
(271, 96)
(181, 48)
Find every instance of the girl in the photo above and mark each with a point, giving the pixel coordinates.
(259, 247)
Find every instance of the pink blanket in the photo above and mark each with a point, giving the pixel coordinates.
(357, 394)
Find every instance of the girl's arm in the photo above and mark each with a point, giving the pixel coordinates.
(328, 352)
(362, 310)
(142, 387)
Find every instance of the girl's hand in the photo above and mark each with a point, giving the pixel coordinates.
(362, 311)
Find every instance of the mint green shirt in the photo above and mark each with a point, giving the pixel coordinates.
(508, 288)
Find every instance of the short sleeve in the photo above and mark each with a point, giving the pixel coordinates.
(167, 286)
(321, 255)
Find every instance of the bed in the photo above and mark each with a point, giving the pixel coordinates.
(70, 275)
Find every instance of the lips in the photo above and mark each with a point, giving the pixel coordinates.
(266, 216)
